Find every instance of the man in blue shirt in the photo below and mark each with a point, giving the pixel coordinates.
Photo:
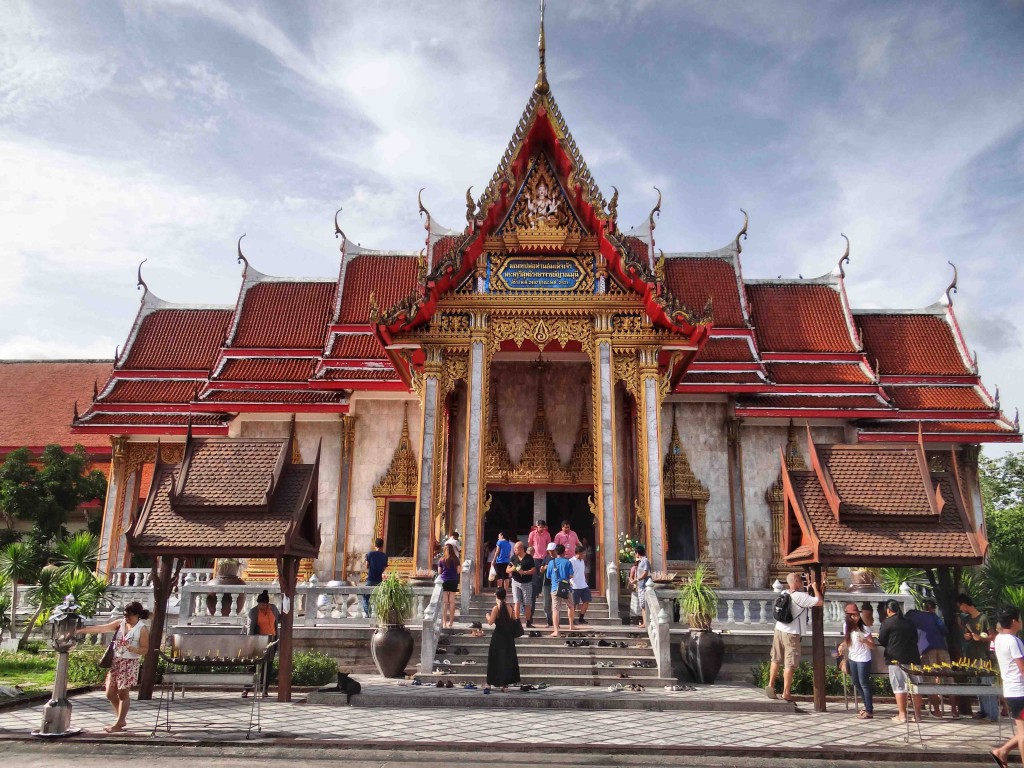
(376, 564)
(931, 642)
(502, 557)
(559, 570)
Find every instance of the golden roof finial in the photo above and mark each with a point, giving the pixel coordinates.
(542, 73)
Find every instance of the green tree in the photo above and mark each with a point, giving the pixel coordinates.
(1002, 494)
(16, 563)
(45, 495)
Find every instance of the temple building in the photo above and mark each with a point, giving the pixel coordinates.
(545, 360)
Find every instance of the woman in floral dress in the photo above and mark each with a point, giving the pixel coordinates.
(131, 640)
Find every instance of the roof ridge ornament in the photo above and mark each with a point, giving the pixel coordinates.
(655, 210)
(139, 282)
(241, 256)
(338, 232)
(952, 286)
(743, 231)
(1016, 419)
(844, 258)
(470, 208)
(613, 206)
(541, 86)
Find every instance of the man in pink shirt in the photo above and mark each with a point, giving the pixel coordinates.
(539, 537)
(567, 537)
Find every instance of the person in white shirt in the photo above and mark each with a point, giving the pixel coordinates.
(453, 539)
(786, 639)
(581, 596)
(856, 647)
(1010, 655)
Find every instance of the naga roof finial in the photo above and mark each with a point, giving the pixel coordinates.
(423, 210)
(139, 282)
(656, 209)
(996, 398)
(76, 411)
(541, 86)
(1016, 419)
(952, 286)
(743, 231)
(117, 354)
(613, 204)
(845, 258)
(337, 227)
(241, 256)
(470, 207)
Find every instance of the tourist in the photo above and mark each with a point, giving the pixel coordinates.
(539, 537)
(559, 574)
(580, 591)
(523, 569)
(588, 557)
(264, 619)
(490, 552)
(867, 614)
(978, 635)
(453, 539)
(449, 568)
(502, 660)
(787, 635)
(567, 537)
(899, 636)
(502, 558)
(931, 642)
(1010, 655)
(857, 644)
(376, 564)
(549, 557)
(536, 581)
(634, 598)
(131, 641)
(643, 579)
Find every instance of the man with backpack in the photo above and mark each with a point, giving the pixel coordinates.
(792, 610)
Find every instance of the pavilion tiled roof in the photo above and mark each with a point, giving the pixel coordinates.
(911, 344)
(231, 473)
(284, 314)
(790, 316)
(390, 277)
(694, 280)
(883, 482)
(172, 338)
(37, 398)
(267, 369)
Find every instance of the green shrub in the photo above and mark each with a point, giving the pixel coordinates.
(803, 680)
(312, 668)
(83, 669)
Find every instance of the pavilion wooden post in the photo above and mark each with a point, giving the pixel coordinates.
(288, 572)
(818, 641)
(163, 577)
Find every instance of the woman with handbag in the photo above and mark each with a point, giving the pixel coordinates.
(856, 648)
(123, 658)
(502, 659)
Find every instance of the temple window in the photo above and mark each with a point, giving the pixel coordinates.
(681, 530)
(400, 527)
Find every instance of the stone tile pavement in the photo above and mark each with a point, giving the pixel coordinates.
(206, 717)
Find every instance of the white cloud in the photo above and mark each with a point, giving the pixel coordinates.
(25, 347)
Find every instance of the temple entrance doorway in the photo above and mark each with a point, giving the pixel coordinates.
(573, 506)
(511, 513)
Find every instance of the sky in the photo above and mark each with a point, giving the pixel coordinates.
(164, 130)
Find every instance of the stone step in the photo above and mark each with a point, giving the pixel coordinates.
(560, 652)
(479, 677)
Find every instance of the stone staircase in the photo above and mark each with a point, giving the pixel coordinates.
(549, 660)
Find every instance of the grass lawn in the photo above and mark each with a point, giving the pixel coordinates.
(33, 672)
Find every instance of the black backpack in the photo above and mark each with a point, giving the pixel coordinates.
(783, 609)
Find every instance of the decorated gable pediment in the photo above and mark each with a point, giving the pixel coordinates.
(541, 216)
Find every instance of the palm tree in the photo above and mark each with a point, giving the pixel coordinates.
(79, 553)
(16, 563)
(43, 594)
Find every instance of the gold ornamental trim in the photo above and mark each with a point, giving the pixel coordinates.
(402, 475)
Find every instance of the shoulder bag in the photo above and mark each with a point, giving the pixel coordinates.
(107, 659)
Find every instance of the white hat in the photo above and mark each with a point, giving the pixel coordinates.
(551, 546)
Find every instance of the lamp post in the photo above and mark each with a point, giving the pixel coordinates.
(57, 713)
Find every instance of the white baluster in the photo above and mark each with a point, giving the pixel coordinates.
(766, 612)
(746, 612)
(730, 614)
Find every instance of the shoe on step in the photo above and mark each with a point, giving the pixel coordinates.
(769, 691)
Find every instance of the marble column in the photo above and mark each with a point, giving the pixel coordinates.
(736, 493)
(650, 453)
(540, 508)
(348, 439)
(428, 443)
(604, 453)
(476, 417)
(112, 506)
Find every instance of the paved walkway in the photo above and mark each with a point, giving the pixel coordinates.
(207, 717)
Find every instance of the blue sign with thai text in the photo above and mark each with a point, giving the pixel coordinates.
(541, 274)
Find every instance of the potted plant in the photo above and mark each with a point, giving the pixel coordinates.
(392, 644)
(702, 649)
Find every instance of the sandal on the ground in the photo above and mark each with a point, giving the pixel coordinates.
(998, 760)
(865, 715)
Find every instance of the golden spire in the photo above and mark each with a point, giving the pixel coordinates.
(542, 74)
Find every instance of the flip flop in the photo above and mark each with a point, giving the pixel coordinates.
(999, 761)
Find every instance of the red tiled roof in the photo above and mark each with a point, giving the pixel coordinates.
(152, 419)
(361, 374)
(444, 246)
(178, 339)
(357, 346)
(285, 314)
(270, 396)
(817, 373)
(885, 481)
(790, 317)
(725, 351)
(910, 427)
(911, 344)
(267, 369)
(900, 540)
(37, 400)
(638, 248)
(695, 280)
(389, 277)
(150, 391)
(714, 377)
(938, 398)
(837, 402)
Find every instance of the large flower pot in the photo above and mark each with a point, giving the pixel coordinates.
(703, 652)
(391, 649)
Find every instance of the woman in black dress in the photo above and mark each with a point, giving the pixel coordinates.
(502, 661)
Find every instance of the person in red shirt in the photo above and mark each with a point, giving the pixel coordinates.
(567, 537)
(539, 538)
